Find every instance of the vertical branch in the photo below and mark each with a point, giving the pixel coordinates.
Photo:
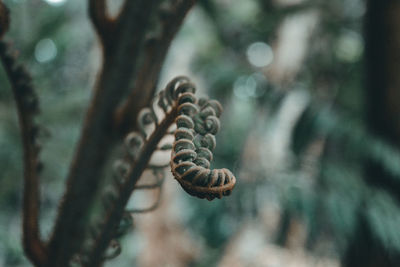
(97, 139)
(4, 19)
(154, 55)
(27, 106)
(102, 23)
(121, 40)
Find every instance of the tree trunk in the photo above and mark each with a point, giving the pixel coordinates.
(382, 81)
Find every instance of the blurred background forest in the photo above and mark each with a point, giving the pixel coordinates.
(291, 77)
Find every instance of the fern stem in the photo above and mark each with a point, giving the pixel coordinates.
(116, 211)
(27, 106)
(155, 52)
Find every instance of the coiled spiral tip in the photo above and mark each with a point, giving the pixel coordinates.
(197, 123)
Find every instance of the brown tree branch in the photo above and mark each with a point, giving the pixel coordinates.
(97, 140)
(102, 23)
(155, 52)
(27, 106)
(4, 19)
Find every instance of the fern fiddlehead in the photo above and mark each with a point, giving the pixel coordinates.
(197, 122)
(196, 125)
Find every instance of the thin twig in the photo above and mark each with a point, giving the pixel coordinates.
(27, 105)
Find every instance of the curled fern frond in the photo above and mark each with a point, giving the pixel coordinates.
(197, 124)
(120, 172)
(192, 151)
(134, 142)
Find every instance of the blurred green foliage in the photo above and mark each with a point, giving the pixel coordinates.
(59, 47)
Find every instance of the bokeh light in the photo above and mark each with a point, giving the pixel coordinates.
(45, 50)
(260, 54)
(55, 2)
